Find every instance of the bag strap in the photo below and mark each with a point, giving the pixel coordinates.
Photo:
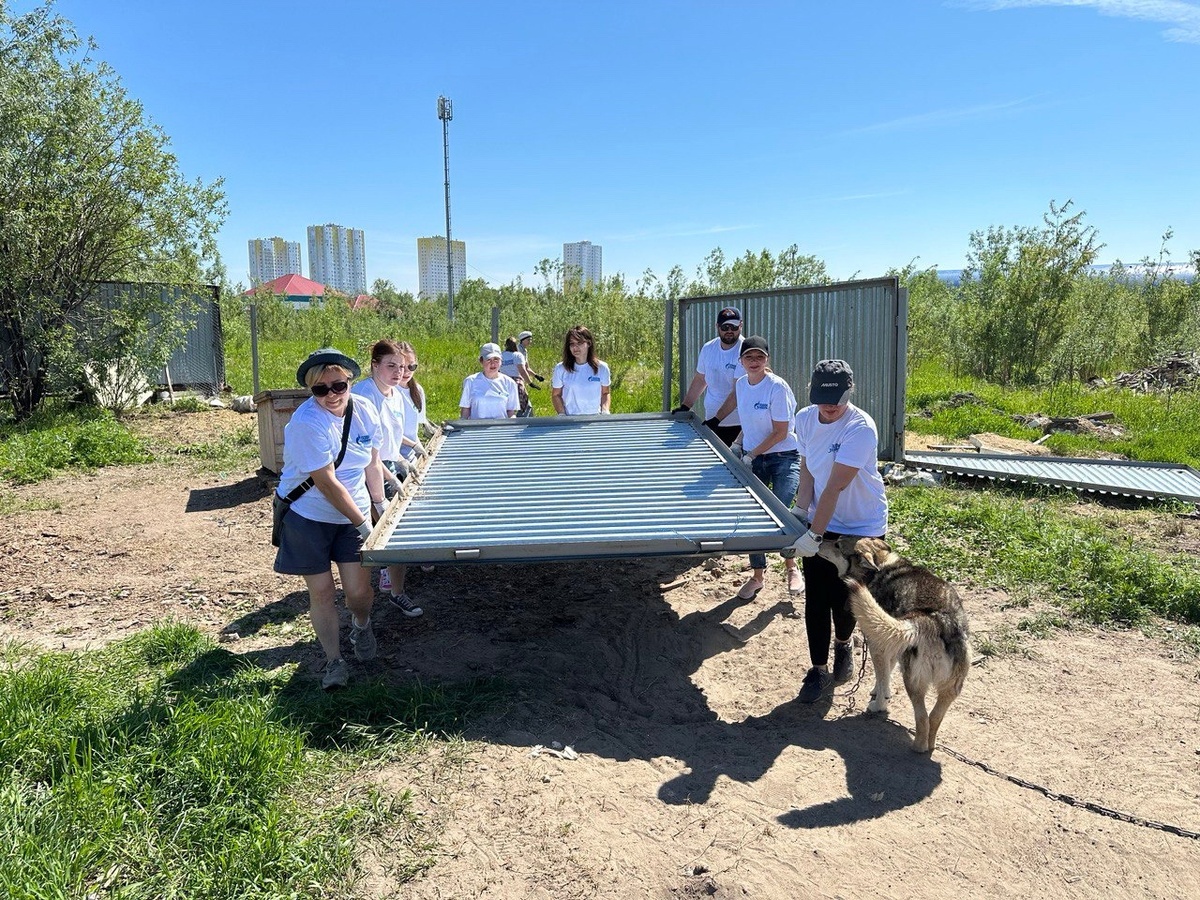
(299, 490)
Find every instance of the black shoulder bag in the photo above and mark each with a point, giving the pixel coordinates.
(282, 504)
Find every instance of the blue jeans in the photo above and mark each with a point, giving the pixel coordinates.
(781, 473)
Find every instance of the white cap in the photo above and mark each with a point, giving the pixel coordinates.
(524, 334)
(490, 351)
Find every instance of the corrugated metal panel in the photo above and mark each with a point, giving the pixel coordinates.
(584, 487)
(1106, 476)
(862, 322)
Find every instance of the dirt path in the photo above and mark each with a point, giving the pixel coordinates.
(698, 774)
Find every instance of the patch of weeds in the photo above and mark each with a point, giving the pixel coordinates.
(10, 503)
(1002, 641)
(229, 450)
(59, 437)
(1042, 624)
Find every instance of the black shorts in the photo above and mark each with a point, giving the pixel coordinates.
(311, 548)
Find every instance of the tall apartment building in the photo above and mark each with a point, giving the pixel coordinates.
(431, 263)
(271, 258)
(581, 263)
(337, 258)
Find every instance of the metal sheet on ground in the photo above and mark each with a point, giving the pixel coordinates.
(587, 487)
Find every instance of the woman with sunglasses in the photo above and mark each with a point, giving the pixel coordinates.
(326, 525)
(382, 388)
(580, 385)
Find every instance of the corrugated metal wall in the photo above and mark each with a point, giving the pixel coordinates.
(862, 322)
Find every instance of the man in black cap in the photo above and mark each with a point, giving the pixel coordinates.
(717, 369)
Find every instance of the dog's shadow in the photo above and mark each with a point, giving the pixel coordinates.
(883, 774)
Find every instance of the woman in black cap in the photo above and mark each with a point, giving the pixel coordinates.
(330, 491)
(840, 493)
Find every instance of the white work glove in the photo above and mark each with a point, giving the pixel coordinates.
(380, 507)
(364, 529)
(808, 544)
(419, 449)
(748, 460)
(403, 467)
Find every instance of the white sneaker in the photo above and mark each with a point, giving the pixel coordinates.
(385, 580)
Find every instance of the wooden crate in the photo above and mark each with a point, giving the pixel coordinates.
(275, 410)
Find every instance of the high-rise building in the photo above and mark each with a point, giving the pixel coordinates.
(581, 263)
(272, 257)
(337, 258)
(431, 262)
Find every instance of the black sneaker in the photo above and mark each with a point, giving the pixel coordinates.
(843, 662)
(815, 683)
(405, 604)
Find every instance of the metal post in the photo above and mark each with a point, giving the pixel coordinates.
(254, 344)
(446, 113)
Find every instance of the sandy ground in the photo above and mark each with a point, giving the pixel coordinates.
(698, 774)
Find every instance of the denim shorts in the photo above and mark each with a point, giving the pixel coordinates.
(310, 548)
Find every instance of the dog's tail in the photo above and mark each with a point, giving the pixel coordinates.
(889, 634)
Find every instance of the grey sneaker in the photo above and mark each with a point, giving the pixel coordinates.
(337, 674)
(843, 662)
(362, 638)
(815, 683)
(405, 604)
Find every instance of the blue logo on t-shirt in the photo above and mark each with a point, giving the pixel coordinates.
(593, 378)
(730, 366)
(834, 448)
(363, 440)
(761, 405)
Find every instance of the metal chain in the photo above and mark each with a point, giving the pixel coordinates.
(1068, 799)
(1089, 805)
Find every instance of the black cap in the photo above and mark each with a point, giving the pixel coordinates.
(831, 382)
(327, 356)
(730, 314)
(754, 342)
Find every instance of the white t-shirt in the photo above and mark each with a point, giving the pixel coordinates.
(720, 368)
(760, 406)
(489, 398)
(511, 362)
(852, 441)
(391, 415)
(312, 439)
(581, 388)
(413, 417)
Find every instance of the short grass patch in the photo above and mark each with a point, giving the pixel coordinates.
(65, 437)
(165, 766)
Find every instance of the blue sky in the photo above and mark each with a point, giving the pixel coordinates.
(868, 132)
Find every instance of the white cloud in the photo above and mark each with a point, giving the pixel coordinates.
(1183, 18)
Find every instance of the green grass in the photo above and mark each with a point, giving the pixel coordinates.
(1033, 544)
(60, 437)
(163, 766)
(1156, 428)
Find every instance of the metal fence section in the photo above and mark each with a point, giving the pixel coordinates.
(862, 322)
(1105, 476)
(586, 487)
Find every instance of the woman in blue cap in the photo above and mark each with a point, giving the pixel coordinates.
(331, 476)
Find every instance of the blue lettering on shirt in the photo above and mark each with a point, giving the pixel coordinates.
(730, 366)
(593, 378)
(761, 405)
(363, 440)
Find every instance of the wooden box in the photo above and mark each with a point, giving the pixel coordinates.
(275, 410)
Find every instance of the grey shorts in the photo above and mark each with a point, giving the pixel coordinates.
(310, 548)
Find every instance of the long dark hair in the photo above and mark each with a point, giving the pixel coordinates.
(580, 333)
(414, 389)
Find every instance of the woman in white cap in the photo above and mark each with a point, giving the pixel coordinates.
(840, 493)
(766, 408)
(382, 387)
(489, 394)
(513, 364)
(580, 385)
(331, 477)
(524, 341)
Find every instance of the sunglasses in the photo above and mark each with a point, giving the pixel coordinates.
(338, 387)
(728, 327)
(411, 368)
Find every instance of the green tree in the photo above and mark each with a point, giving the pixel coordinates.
(761, 271)
(89, 192)
(1015, 301)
